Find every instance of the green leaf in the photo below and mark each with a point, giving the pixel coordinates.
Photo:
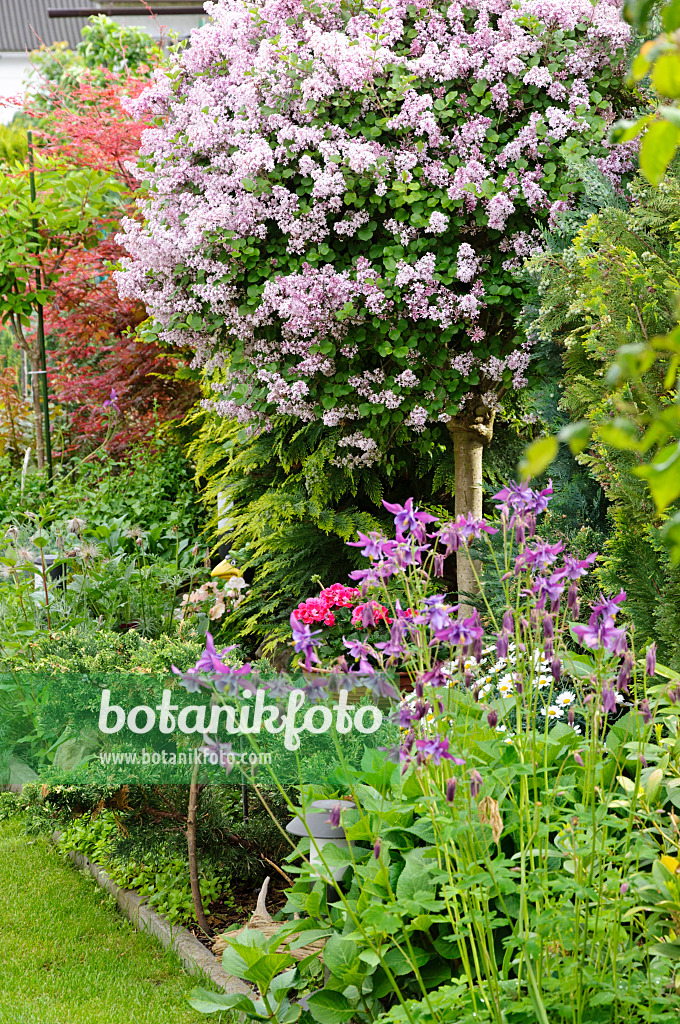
(620, 433)
(215, 1002)
(669, 949)
(340, 956)
(671, 15)
(666, 75)
(576, 435)
(657, 150)
(538, 456)
(329, 1007)
(663, 476)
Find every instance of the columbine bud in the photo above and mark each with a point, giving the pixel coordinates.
(438, 565)
(468, 678)
(623, 677)
(376, 849)
(451, 790)
(519, 687)
(548, 630)
(531, 524)
(650, 664)
(501, 645)
(476, 782)
(624, 888)
(492, 719)
(556, 669)
(508, 621)
(477, 649)
(572, 596)
(520, 532)
(548, 648)
(645, 711)
(578, 758)
(570, 716)
(533, 617)
(334, 819)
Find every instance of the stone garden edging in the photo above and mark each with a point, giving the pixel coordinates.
(196, 958)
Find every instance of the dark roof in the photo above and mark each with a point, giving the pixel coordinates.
(24, 24)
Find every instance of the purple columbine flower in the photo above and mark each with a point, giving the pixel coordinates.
(476, 782)
(305, 640)
(521, 498)
(192, 681)
(361, 653)
(436, 614)
(608, 699)
(650, 662)
(437, 750)
(463, 631)
(434, 676)
(574, 568)
(112, 401)
(370, 542)
(601, 630)
(406, 517)
(451, 789)
(539, 555)
(210, 660)
(470, 528)
(222, 751)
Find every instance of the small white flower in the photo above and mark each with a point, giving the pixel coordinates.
(506, 688)
(577, 729)
(565, 699)
(542, 681)
(553, 711)
(484, 689)
(501, 728)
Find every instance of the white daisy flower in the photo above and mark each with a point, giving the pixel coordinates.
(553, 711)
(506, 687)
(565, 699)
(542, 681)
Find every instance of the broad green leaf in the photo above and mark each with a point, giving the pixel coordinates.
(340, 956)
(538, 456)
(328, 1007)
(576, 435)
(663, 476)
(666, 75)
(216, 1002)
(671, 15)
(620, 433)
(658, 147)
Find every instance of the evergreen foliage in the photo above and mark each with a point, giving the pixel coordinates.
(615, 285)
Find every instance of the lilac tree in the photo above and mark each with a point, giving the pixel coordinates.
(338, 197)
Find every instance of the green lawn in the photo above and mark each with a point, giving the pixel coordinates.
(67, 956)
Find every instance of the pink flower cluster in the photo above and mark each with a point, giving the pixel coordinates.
(319, 609)
(262, 189)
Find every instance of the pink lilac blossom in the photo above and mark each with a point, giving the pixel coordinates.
(261, 192)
